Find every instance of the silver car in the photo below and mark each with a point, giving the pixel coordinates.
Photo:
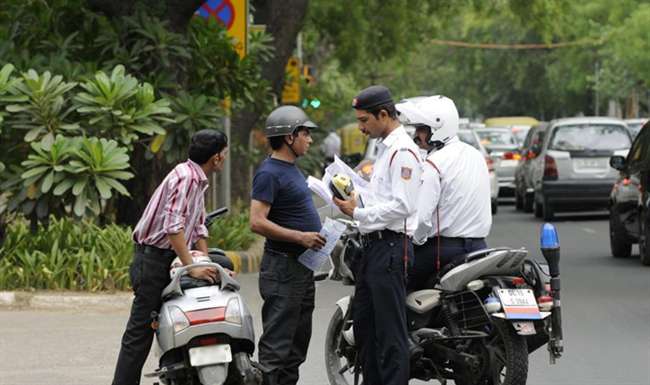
(503, 148)
(572, 172)
(635, 125)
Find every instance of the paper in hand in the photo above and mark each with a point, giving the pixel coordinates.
(331, 231)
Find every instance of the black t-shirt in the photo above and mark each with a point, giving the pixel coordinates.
(282, 185)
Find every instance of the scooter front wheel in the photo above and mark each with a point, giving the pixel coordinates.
(339, 355)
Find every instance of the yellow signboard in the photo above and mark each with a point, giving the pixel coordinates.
(239, 27)
(291, 91)
(232, 14)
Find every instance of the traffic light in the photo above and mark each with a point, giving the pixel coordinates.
(309, 74)
(311, 102)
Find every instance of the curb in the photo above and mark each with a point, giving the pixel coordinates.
(245, 262)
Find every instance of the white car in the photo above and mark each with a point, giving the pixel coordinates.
(635, 125)
(572, 170)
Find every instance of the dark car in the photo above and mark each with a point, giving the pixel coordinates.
(530, 149)
(629, 218)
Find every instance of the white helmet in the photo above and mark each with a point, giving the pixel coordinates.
(437, 112)
(197, 257)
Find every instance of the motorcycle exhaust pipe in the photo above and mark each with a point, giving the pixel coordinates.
(550, 246)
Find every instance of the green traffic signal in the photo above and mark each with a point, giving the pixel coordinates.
(313, 103)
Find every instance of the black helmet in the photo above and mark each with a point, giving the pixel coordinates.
(284, 120)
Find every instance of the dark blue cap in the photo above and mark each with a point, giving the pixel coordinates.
(371, 97)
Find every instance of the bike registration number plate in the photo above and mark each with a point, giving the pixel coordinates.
(208, 355)
(519, 304)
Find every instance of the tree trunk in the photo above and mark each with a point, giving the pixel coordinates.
(285, 21)
(179, 13)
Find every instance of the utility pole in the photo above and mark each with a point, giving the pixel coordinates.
(226, 185)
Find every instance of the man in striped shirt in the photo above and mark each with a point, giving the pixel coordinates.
(172, 224)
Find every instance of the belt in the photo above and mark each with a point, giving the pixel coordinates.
(456, 241)
(380, 235)
(147, 249)
(290, 254)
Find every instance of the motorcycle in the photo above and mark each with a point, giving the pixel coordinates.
(476, 325)
(204, 331)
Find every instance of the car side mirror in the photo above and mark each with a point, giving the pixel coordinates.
(617, 162)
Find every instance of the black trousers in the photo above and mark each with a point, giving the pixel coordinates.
(287, 288)
(423, 271)
(379, 312)
(149, 273)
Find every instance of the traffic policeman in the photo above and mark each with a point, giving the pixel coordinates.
(282, 210)
(454, 214)
(387, 222)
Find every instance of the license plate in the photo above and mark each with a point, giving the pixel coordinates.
(519, 304)
(209, 355)
(590, 164)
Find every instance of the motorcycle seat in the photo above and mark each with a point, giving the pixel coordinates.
(465, 258)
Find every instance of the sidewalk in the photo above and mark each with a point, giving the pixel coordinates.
(245, 262)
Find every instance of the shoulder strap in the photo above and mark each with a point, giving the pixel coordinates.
(392, 157)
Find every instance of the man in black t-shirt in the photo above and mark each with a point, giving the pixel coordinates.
(283, 211)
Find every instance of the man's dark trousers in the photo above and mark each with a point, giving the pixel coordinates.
(149, 273)
(379, 311)
(287, 288)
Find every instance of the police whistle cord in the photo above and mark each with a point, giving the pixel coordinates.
(437, 217)
(406, 257)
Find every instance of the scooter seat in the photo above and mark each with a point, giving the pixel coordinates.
(216, 256)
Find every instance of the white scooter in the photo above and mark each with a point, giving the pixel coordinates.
(204, 331)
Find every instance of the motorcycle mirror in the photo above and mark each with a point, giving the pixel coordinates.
(550, 246)
(211, 216)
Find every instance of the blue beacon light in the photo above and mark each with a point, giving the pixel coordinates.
(548, 237)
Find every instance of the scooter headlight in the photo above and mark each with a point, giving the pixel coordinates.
(233, 311)
(179, 320)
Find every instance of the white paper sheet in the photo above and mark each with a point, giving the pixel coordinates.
(321, 187)
(331, 231)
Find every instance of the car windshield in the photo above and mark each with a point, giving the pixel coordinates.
(634, 128)
(520, 133)
(469, 138)
(497, 138)
(590, 137)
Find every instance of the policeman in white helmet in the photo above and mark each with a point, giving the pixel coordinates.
(454, 215)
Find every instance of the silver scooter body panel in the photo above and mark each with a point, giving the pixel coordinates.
(197, 299)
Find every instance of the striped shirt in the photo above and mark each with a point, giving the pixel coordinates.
(177, 204)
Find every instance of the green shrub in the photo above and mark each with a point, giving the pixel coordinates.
(80, 255)
(70, 254)
(231, 232)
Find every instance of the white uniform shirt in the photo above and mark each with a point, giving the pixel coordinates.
(461, 191)
(395, 186)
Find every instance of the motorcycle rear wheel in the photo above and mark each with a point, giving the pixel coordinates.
(508, 354)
